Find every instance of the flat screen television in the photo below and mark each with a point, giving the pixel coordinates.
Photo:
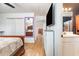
(49, 16)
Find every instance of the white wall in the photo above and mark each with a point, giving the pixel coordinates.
(13, 23)
(57, 28)
(40, 22)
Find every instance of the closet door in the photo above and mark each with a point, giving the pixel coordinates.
(19, 27)
(14, 27)
(9, 27)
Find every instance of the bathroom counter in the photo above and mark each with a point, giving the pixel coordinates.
(69, 34)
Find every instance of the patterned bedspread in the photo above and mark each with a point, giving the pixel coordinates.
(9, 45)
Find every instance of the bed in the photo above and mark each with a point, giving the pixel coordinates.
(11, 45)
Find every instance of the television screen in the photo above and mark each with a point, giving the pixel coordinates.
(49, 16)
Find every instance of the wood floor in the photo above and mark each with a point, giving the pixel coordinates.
(34, 49)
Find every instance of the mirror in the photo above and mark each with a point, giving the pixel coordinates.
(67, 23)
(29, 26)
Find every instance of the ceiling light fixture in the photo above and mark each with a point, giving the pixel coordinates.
(70, 9)
(67, 9)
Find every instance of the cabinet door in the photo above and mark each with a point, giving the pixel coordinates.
(49, 43)
(68, 49)
(76, 43)
(19, 24)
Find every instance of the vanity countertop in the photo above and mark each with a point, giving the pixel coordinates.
(69, 34)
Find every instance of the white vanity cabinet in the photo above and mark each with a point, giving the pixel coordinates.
(67, 47)
(76, 44)
(70, 46)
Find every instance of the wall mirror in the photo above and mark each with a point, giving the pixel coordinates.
(67, 23)
(29, 26)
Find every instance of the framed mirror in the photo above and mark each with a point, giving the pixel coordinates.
(29, 26)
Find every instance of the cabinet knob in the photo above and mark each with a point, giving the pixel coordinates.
(61, 35)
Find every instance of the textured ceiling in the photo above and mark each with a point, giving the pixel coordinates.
(38, 8)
